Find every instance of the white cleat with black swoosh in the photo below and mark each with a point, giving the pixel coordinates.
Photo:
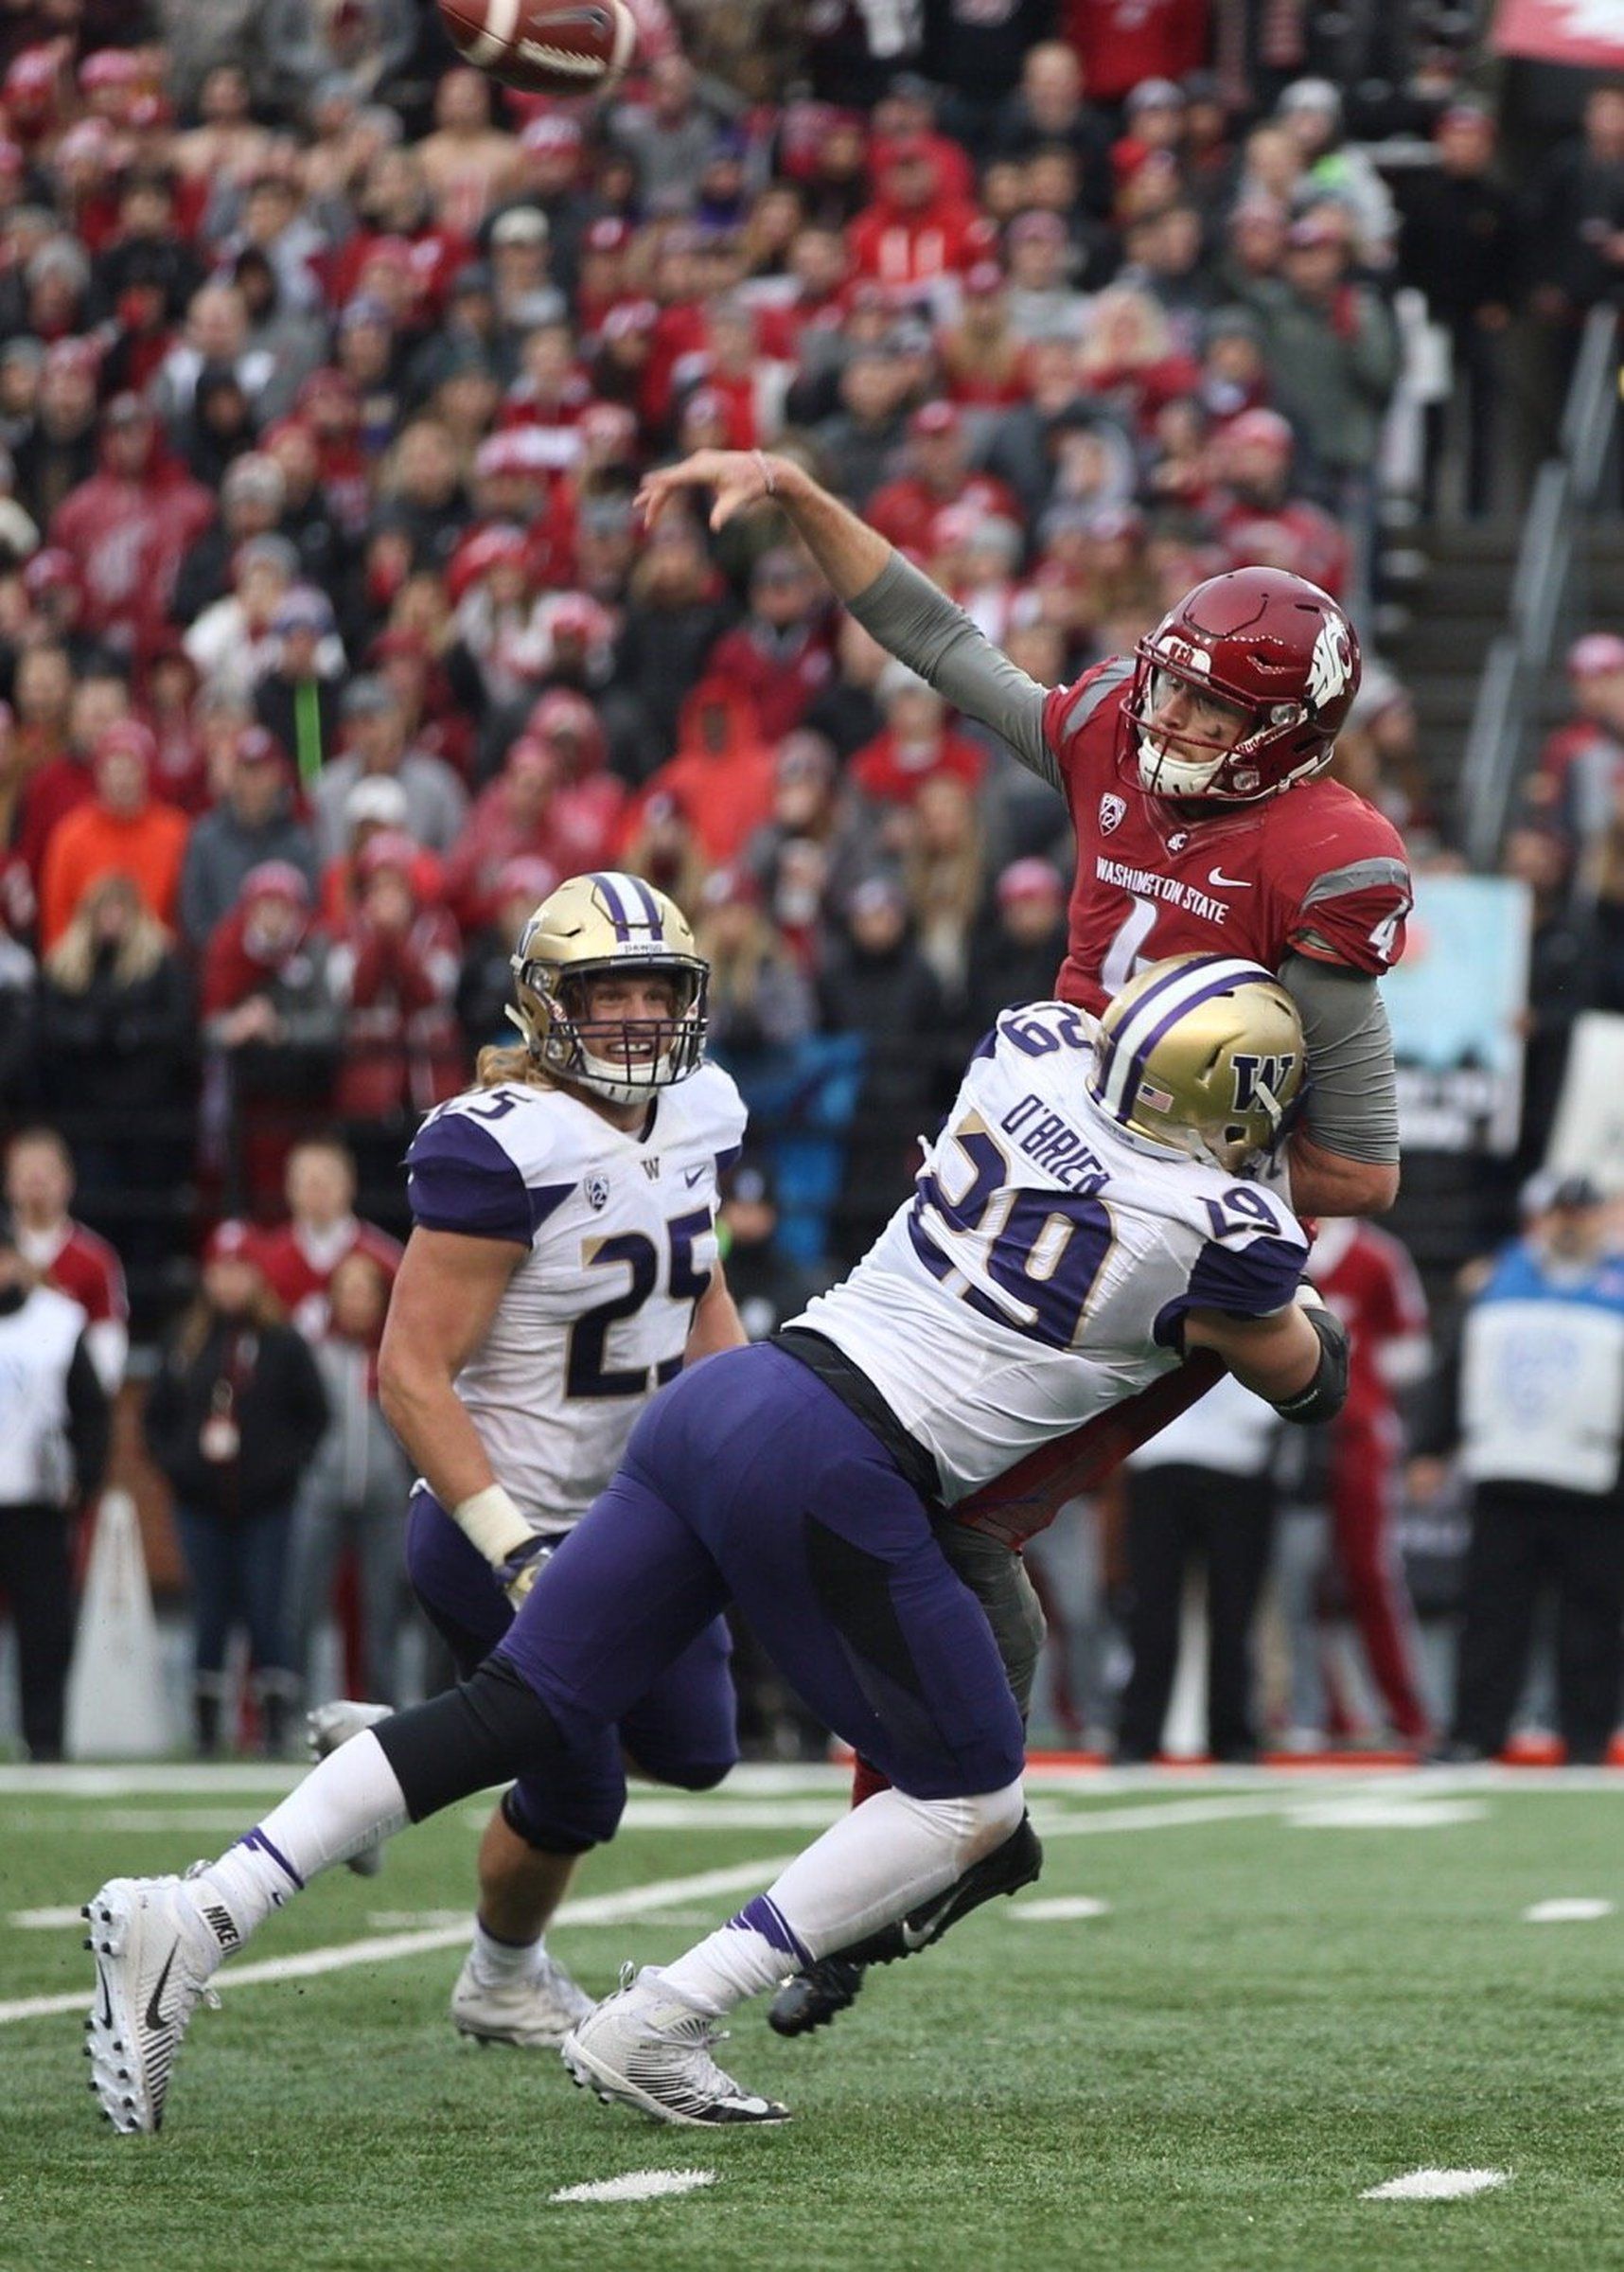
(155, 1947)
(645, 2048)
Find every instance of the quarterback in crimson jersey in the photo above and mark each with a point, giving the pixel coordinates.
(1319, 872)
(1192, 769)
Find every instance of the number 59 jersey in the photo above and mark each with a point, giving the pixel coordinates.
(1040, 1272)
(621, 1243)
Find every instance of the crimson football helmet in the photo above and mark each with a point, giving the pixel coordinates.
(1267, 643)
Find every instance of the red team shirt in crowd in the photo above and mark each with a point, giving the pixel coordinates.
(1316, 872)
(299, 1265)
(86, 1267)
(1371, 1282)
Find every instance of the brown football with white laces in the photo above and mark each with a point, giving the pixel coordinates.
(545, 46)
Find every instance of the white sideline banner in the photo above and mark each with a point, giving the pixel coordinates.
(1588, 1135)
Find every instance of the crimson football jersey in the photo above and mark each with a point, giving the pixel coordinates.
(1314, 871)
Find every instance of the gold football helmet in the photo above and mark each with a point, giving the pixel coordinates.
(589, 926)
(1205, 1052)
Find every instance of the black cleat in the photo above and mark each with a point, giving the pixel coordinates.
(1009, 1867)
(815, 1996)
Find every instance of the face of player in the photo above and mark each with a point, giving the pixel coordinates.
(626, 1012)
(1185, 735)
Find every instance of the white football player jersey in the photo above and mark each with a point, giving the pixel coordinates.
(621, 1238)
(1040, 1270)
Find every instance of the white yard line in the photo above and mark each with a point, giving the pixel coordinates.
(1568, 1909)
(1061, 1910)
(638, 2185)
(602, 1909)
(1437, 2185)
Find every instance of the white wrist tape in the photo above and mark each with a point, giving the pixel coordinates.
(492, 1522)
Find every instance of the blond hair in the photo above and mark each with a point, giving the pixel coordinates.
(510, 1062)
(71, 963)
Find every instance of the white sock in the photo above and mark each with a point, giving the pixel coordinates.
(340, 1807)
(870, 1867)
(497, 1961)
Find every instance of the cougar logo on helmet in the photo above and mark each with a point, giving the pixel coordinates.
(1328, 666)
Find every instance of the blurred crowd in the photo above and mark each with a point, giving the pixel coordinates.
(330, 638)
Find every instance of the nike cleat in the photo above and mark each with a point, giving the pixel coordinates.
(827, 1987)
(534, 2014)
(326, 1729)
(645, 2048)
(154, 1951)
(1009, 1867)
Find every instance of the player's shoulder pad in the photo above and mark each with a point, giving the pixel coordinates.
(493, 1163)
(1040, 1029)
(718, 1112)
(1253, 1254)
(1067, 709)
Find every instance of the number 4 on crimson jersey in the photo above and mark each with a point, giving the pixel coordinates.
(1313, 871)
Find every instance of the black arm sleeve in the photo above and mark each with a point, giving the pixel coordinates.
(90, 1422)
(1327, 1391)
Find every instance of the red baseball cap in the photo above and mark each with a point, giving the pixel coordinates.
(232, 1241)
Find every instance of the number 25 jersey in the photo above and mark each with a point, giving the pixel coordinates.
(1041, 1270)
(619, 1229)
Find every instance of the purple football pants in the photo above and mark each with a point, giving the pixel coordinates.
(680, 1728)
(748, 1480)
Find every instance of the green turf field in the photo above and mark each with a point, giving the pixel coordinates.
(1297, 1988)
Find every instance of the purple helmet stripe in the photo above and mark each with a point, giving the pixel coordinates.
(650, 905)
(610, 887)
(1137, 1063)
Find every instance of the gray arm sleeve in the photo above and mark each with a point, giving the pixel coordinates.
(1353, 1104)
(923, 627)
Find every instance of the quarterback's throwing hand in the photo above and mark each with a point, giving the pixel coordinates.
(739, 477)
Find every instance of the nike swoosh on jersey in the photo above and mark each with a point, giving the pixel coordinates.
(1235, 884)
(693, 1175)
(155, 2002)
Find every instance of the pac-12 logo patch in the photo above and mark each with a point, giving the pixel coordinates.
(597, 1191)
(1113, 811)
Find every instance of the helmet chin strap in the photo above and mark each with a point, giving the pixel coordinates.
(1162, 774)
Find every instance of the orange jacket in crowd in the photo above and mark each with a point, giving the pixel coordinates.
(90, 842)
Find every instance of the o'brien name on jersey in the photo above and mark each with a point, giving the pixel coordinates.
(1046, 1139)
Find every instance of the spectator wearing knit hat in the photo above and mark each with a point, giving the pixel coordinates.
(916, 743)
(296, 699)
(394, 975)
(436, 804)
(121, 829)
(779, 657)
(128, 527)
(250, 823)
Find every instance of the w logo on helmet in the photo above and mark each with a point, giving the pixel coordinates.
(1258, 1076)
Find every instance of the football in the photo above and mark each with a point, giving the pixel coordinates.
(545, 46)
